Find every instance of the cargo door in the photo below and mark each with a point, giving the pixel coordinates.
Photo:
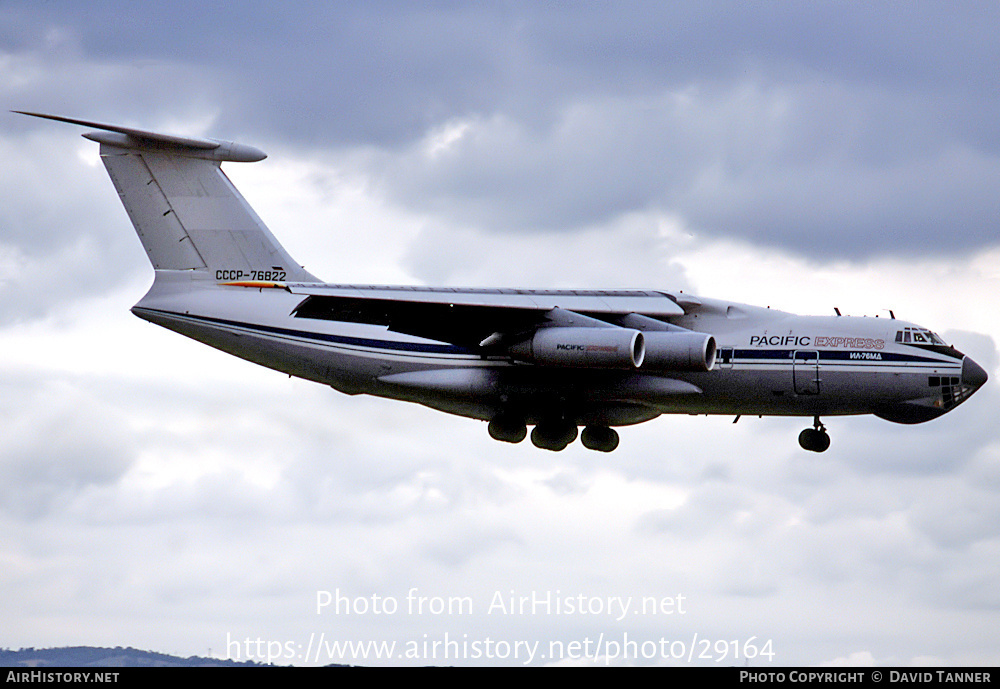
(805, 372)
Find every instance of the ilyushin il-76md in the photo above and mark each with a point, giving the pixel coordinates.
(555, 360)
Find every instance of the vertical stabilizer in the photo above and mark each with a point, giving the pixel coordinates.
(188, 215)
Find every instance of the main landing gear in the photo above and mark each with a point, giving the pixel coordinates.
(555, 435)
(815, 439)
(600, 438)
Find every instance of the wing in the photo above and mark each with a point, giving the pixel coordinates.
(474, 317)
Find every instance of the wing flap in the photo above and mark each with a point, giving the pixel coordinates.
(656, 304)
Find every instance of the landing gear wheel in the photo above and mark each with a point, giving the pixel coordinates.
(553, 436)
(815, 439)
(508, 429)
(600, 438)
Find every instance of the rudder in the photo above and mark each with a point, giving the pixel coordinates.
(165, 239)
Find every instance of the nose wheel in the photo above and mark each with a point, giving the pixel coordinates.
(815, 439)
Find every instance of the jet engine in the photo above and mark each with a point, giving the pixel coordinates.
(583, 347)
(678, 351)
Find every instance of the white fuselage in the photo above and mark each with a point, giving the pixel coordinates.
(768, 363)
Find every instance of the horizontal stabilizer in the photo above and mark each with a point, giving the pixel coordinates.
(129, 138)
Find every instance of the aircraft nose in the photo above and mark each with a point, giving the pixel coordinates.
(973, 374)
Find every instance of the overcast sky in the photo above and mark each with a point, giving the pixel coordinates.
(805, 156)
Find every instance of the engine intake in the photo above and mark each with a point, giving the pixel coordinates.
(678, 351)
(583, 347)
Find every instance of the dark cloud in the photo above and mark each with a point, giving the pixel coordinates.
(828, 132)
(361, 71)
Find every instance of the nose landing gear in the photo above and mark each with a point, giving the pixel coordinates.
(815, 439)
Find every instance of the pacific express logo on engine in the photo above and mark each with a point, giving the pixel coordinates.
(573, 347)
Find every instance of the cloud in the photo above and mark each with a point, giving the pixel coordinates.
(58, 444)
(828, 171)
(843, 146)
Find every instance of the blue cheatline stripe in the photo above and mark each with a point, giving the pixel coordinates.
(322, 337)
(746, 355)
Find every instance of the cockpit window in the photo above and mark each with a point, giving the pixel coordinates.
(918, 336)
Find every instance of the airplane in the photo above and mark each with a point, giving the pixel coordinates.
(555, 359)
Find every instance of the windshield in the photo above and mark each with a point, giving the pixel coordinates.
(918, 336)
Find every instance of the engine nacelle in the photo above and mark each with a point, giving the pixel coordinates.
(583, 347)
(678, 351)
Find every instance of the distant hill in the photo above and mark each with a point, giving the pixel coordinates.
(89, 656)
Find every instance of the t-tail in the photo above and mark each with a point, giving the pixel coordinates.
(188, 215)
